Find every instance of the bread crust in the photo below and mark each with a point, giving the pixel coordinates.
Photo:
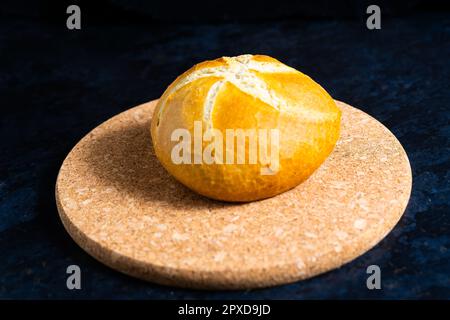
(247, 92)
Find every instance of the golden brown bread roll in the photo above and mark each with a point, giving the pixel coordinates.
(244, 128)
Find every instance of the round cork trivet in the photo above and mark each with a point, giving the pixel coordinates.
(120, 205)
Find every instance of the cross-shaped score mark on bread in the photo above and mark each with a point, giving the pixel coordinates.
(239, 71)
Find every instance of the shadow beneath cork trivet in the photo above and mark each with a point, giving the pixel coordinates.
(122, 156)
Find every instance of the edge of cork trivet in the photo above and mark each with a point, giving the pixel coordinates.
(119, 204)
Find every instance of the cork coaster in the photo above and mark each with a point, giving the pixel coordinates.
(120, 205)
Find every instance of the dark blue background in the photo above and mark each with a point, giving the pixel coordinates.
(56, 85)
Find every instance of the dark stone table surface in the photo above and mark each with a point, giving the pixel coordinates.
(56, 85)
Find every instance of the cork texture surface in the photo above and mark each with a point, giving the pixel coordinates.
(120, 205)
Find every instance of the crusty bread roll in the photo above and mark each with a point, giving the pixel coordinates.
(244, 128)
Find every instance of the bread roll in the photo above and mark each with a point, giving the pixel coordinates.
(244, 128)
